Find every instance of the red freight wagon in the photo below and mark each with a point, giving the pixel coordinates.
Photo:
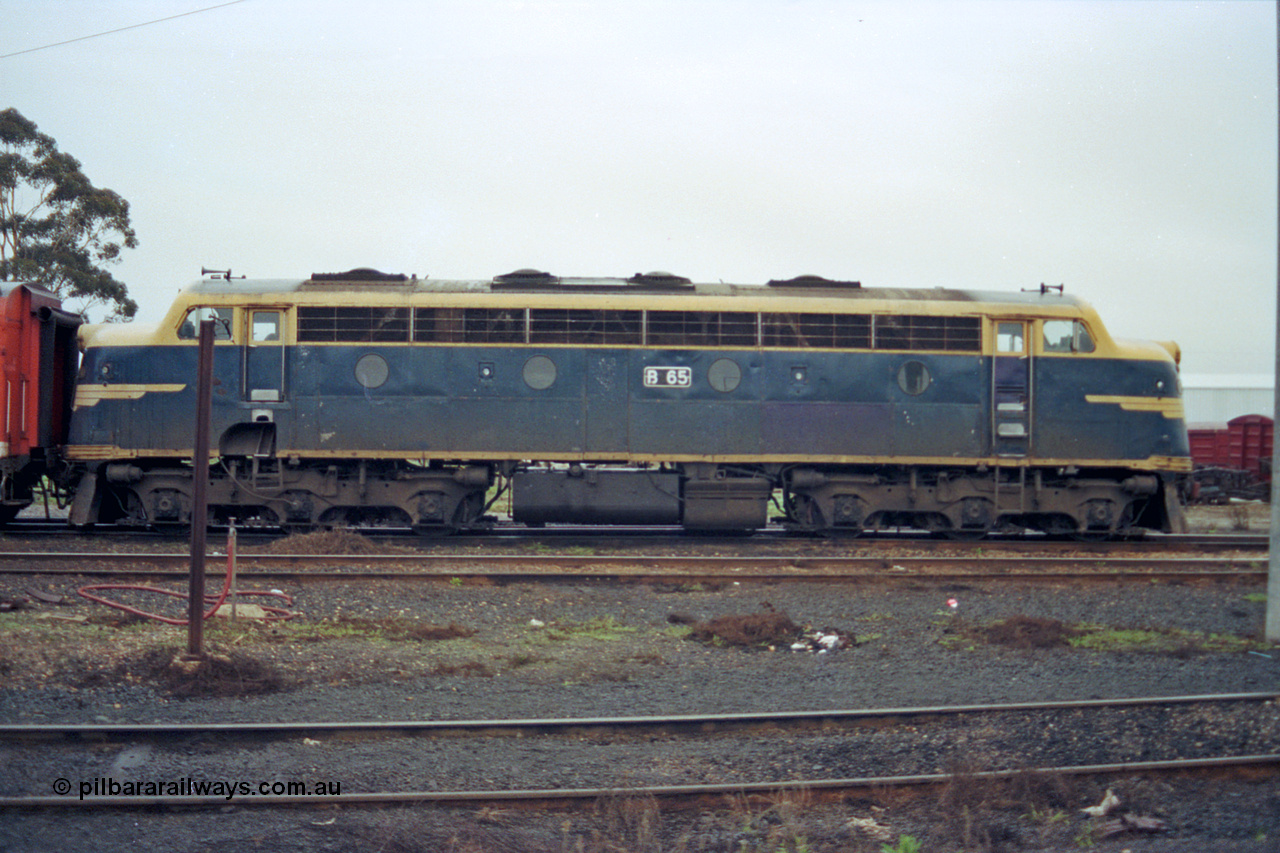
(1210, 445)
(39, 358)
(1249, 444)
(1233, 460)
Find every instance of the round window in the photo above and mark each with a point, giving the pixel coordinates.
(371, 371)
(724, 374)
(914, 378)
(540, 373)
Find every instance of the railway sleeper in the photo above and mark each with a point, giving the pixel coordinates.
(973, 503)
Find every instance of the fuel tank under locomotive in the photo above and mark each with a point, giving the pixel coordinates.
(697, 497)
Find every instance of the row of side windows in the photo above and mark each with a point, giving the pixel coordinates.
(637, 328)
(675, 329)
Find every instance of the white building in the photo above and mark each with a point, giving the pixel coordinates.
(1217, 398)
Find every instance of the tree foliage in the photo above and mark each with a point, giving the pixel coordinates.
(56, 228)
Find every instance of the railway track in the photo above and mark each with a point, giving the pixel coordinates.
(597, 537)
(544, 567)
(834, 752)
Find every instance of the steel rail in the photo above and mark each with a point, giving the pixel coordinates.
(844, 786)
(579, 536)
(700, 723)
(35, 527)
(545, 567)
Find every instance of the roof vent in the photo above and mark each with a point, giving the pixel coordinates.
(359, 274)
(812, 281)
(660, 279)
(525, 278)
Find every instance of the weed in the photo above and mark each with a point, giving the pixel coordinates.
(1046, 816)
(875, 617)
(906, 844)
(604, 629)
(391, 629)
(1166, 640)
(1256, 598)
(630, 823)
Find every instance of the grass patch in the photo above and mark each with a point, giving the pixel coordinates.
(1160, 640)
(1033, 632)
(390, 629)
(603, 629)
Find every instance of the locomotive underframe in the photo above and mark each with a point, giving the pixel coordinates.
(271, 492)
(975, 501)
(443, 497)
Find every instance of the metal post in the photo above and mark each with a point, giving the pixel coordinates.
(199, 496)
(231, 567)
(1273, 572)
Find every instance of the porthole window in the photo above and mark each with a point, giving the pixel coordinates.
(371, 371)
(724, 375)
(914, 378)
(540, 373)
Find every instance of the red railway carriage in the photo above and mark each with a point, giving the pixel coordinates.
(39, 357)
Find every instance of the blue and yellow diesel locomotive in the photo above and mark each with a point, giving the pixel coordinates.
(372, 399)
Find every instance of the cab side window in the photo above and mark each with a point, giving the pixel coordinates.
(265, 327)
(1066, 336)
(189, 330)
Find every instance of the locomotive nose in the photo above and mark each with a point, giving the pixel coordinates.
(1175, 351)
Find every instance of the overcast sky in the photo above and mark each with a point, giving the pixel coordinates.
(1125, 149)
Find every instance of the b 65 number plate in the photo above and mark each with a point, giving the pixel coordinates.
(668, 377)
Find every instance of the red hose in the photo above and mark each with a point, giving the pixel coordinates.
(273, 613)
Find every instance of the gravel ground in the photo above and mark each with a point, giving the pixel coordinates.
(608, 649)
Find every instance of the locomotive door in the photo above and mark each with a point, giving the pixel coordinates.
(605, 402)
(264, 356)
(1011, 389)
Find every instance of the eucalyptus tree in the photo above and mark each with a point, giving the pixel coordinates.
(57, 229)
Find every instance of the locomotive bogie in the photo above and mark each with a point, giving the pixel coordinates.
(375, 400)
(300, 496)
(977, 501)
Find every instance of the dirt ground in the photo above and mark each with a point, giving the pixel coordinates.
(1239, 517)
(464, 650)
